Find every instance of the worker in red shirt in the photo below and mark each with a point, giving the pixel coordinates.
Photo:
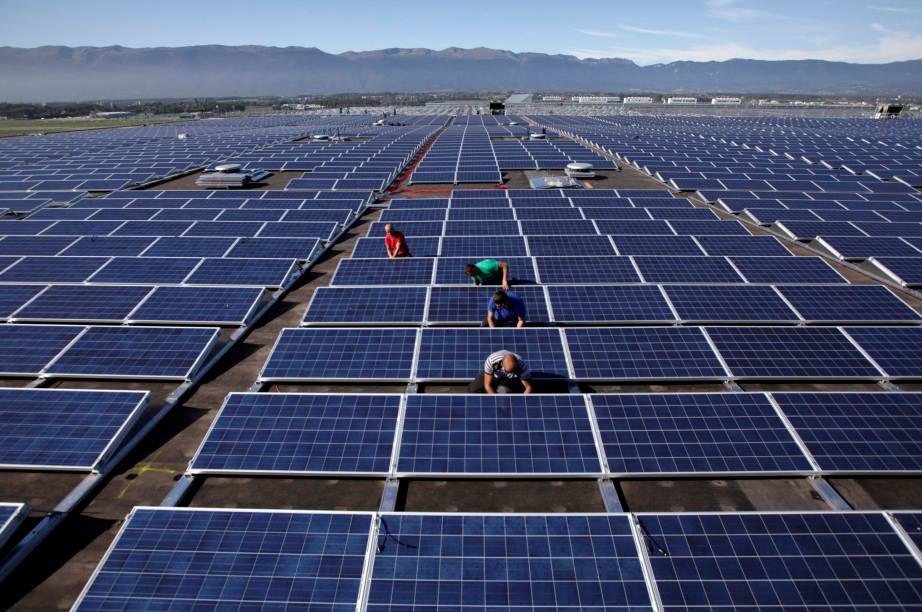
(395, 242)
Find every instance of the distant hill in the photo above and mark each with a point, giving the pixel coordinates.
(88, 73)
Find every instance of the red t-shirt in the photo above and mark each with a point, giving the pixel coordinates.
(396, 240)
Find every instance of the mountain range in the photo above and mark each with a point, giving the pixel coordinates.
(55, 73)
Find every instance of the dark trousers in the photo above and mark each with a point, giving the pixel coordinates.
(504, 386)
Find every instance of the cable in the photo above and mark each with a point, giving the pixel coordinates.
(383, 537)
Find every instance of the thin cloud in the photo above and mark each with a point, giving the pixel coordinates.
(598, 33)
(894, 9)
(637, 30)
(730, 10)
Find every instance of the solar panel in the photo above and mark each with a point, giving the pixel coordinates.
(398, 271)
(470, 228)
(228, 228)
(729, 303)
(656, 245)
(198, 305)
(809, 561)
(642, 353)
(897, 350)
(787, 270)
(483, 246)
(342, 354)
(145, 270)
(82, 228)
(52, 269)
(686, 227)
(561, 246)
(189, 247)
(153, 228)
(299, 229)
(450, 270)
(687, 270)
(242, 271)
(524, 214)
(26, 349)
(855, 248)
(469, 304)
(172, 353)
(87, 303)
(743, 246)
(614, 212)
(807, 230)
(13, 297)
(108, 246)
(849, 304)
(374, 247)
(553, 227)
(275, 248)
(260, 559)
(503, 562)
(589, 270)
(11, 516)
(695, 433)
(608, 304)
(858, 432)
(459, 353)
(417, 214)
(286, 433)
(699, 214)
(615, 227)
(907, 271)
(366, 306)
(34, 245)
(58, 429)
(497, 434)
(790, 353)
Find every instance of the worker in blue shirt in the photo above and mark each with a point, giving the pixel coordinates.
(506, 309)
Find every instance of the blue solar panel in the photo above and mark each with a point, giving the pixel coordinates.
(483, 246)
(108, 246)
(684, 227)
(758, 246)
(52, 269)
(849, 304)
(153, 228)
(860, 247)
(136, 352)
(780, 561)
(897, 350)
(490, 434)
(399, 204)
(700, 214)
(615, 212)
(858, 432)
(86, 303)
(400, 271)
(883, 228)
(639, 353)
(507, 562)
(687, 270)
(561, 246)
(13, 297)
(276, 215)
(786, 270)
(300, 433)
(366, 306)
(790, 353)
(342, 354)
(145, 270)
(549, 227)
(608, 304)
(907, 271)
(220, 559)
(82, 228)
(11, 516)
(739, 303)
(616, 227)
(318, 215)
(34, 245)
(417, 214)
(657, 245)
(450, 270)
(184, 214)
(26, 349)
(321, 231)
(470, 228)
(469, 304)
(541, 212)
(189, 247)
(275, 248)
(459, 353)
(199, 305)
(63, 429)
(589, 270)
(242, 271)
(695, 433)
(808, 230)
(24, 228)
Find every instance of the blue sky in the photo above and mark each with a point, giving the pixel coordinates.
(648, 32)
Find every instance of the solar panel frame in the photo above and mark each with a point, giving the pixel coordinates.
(616, 304)
(696, 269)
(402, 305)
(82, 303)
(897, 351)
(29, 355)
(155, 308)
(787, 270)
(246, 272)
(750, 304)
(848, 304)
(11, 516)
(379, 271)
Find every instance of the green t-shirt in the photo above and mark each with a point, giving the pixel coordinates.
(489, 272)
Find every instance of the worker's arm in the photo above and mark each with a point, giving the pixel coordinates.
(527, 385)
(490, 321)
(521, 322)
(388, 249)
(488, 384)
(504, 266)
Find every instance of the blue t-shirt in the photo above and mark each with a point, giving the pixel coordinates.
(513, 310)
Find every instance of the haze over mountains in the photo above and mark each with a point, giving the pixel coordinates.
(89, 73)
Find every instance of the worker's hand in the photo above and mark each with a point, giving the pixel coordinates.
(506, 285)
(527, 390)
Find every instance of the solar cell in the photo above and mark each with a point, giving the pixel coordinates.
(640, 353)
(265, 559)
(145, 270)
(285, 433)
(493, 562)
(687, 270)
(172, 353)
(86, 303)
(26, 349)
(58, 429)
(589, 270)
(398, 271)
(779, 561)
(608, 304)
(366, 306)
(742, 246)
(459, 353)
(656, 245)
(242, 271)
(52, 269)
(497, 434)
(787, 270)
(198, 305)
(469, 304)
(790, 353)
(897, 350)
(740, 303)
(341, 354)
(695, 433)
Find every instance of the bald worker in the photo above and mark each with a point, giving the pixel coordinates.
(503, 372)
(395, 242)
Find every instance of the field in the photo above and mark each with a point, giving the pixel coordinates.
(24, 127)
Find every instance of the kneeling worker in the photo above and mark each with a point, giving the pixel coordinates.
(489, 272)
(395, 242)
(506, 309)
(503, 372)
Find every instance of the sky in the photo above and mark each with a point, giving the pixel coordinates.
(650, 32)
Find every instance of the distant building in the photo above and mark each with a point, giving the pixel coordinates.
(519, 99)
(597, 99)
(113, 115)
(638, 100)
(723, 100)
(681, 100)
(552, 99)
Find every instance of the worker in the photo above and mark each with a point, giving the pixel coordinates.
(489, 272)
(506, 309)
(395, 242)
(503, 372)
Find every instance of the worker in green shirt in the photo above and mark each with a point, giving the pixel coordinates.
(489, 272)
